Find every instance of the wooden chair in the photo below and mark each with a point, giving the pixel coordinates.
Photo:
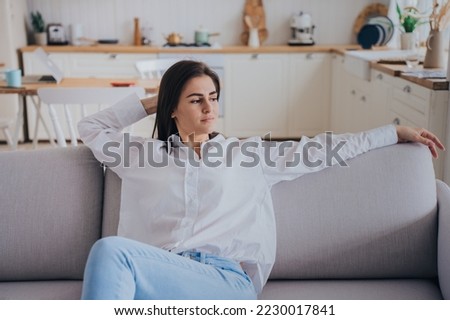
(76, 103)
(153, 69)
(5, 125)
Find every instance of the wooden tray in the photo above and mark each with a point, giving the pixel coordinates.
(255, 10)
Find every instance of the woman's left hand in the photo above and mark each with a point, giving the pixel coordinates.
(409, 134)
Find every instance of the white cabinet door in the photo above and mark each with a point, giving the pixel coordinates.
(105, 65)
(380, 90)
(256, 95)
(417, 106)
(356, 104)
(350, 99)
(309, 93)
(339, 112)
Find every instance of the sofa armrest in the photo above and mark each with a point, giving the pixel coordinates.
(443, 195)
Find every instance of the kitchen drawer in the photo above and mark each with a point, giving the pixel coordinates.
(419, 119)
(398, 119)
(107, 65)
(407, 96)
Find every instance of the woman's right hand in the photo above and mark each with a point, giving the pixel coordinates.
(409, 134)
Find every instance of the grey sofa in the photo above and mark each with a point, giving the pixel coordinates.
(377, 229)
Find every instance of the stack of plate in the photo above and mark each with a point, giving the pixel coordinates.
(377, 31)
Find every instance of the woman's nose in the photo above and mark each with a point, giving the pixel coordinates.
(207, 107)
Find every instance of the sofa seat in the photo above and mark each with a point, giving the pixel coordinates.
(41, 290)
(389, 289)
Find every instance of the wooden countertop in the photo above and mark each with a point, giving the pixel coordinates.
(150, 86)
(102, 48)
(397, 70)
(392, 69)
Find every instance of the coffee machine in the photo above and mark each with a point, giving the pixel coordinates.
(302, 30)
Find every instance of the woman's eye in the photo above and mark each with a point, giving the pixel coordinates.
(196, 101)
(214, 99)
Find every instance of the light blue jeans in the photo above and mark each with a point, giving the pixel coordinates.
(120, 268)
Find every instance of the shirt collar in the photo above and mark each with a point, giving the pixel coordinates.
(175, 141)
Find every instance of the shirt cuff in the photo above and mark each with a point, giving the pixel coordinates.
(382, 136)
(129, 110)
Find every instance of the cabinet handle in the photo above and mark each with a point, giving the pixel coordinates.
(309, 56)
(407, 89)
(396, 121)
(113, 56)
(254, 56)
(363, 98)
(380, 76)
(353, 92)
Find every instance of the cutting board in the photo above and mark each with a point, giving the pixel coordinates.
(255, 10)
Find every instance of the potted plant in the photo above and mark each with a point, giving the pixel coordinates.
(40, 36)
(410, 18)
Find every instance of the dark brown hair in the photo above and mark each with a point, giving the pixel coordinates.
(172, 83)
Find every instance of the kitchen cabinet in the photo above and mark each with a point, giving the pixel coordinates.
(284, 95)
(309, 88)
(359, 105)
(413, 105)
(98, 65)
(338, 111)
(256, 95)
(355, 104)
(380, 91)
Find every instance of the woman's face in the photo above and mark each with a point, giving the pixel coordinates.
(197, 109)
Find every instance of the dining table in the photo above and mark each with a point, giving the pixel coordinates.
(30, 90)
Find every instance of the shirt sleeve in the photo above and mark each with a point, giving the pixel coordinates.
(288, 160)
(102, 132)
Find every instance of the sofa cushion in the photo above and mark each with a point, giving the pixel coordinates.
(111, 206)
(51, 206)
(41, 290)
(403, 289)
(376, 218)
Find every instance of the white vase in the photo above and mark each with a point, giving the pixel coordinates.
(408, 41)
(435, 55)
(40, 38)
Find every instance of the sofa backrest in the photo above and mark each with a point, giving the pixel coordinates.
(376, 218)
(50, 212)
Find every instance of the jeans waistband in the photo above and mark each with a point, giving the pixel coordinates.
(194, 255)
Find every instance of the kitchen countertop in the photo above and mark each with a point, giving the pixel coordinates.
(397, 70)
(116, 48)
(392, 69)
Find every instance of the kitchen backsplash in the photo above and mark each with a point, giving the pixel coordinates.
(113, 19)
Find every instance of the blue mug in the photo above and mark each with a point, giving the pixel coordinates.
(13, 78)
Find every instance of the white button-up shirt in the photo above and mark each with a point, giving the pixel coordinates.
(219, 203)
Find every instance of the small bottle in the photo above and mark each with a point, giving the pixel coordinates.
(137, 33)
(253, 39)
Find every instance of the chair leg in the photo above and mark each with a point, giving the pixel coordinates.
(8, 136)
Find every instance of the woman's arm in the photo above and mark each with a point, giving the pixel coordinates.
(288, 160)
(102, 132)
(409, 134)
(150, 104)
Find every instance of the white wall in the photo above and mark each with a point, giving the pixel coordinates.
(114, 18)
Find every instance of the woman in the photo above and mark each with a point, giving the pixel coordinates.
(196, 217)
